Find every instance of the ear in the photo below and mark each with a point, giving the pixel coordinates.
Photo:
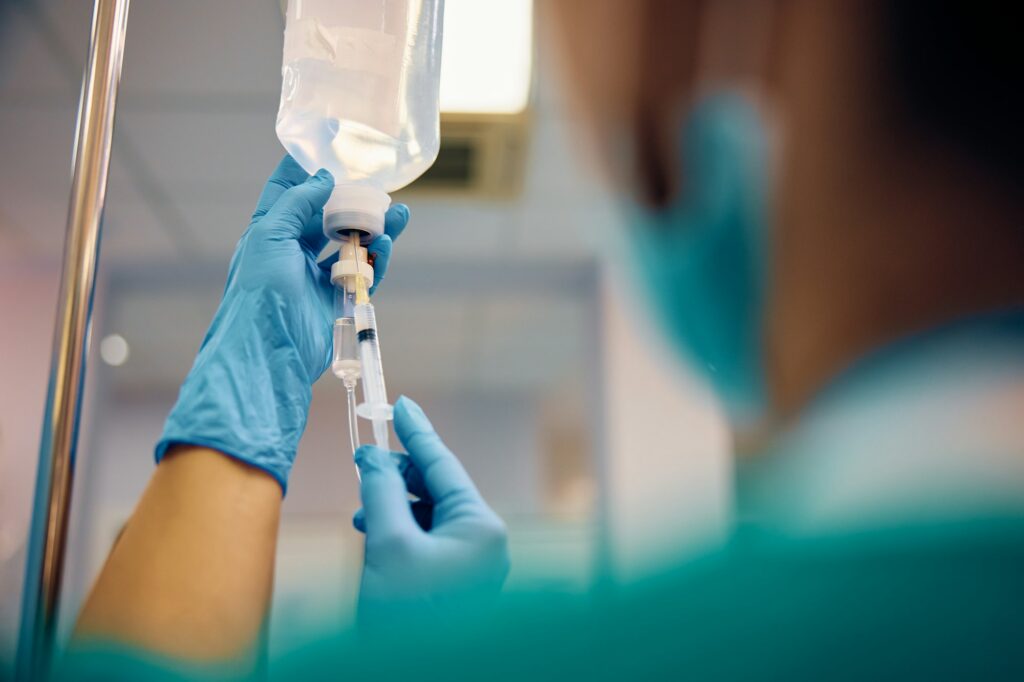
(629, 98)
(738, 39)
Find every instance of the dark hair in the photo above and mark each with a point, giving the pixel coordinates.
(958, 76)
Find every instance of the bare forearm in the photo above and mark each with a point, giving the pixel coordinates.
(191, 575)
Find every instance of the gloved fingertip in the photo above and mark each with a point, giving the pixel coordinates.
(373, 458)
(396, 219)
(410, 420)
(359, 520)
(381, 245)
(322, 176)
(411, 409)
(364, 452)
(380, 252)
(289, 168)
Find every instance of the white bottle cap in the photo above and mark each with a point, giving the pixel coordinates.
(355, 207)
(346, 266)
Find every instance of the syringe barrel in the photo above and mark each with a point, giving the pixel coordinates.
(374, 391)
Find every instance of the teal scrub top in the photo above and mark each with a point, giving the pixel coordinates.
(934, 602)
(884, 537)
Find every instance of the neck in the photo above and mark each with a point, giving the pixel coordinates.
(924, 240)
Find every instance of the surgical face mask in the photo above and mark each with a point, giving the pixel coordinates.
(702, 259)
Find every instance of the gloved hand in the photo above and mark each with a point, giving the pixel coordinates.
(452, 553)
(249, 389)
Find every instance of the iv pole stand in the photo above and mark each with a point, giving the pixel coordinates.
(51, 508)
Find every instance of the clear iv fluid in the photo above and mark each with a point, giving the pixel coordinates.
(359, 92)
(354, 151)
(345, 363)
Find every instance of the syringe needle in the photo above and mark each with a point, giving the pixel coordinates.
(362, 294)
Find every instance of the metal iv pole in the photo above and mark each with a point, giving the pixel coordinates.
(50, 515)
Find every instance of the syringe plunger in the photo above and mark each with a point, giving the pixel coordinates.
(375, 405)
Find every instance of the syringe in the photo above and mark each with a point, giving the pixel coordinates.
(375, 405)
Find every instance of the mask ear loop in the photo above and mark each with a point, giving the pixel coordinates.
(659, 183)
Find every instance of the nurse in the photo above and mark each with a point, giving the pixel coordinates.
(827, 214)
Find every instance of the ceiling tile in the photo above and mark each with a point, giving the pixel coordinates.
(196, 49)
(216, 227)
(132, 233)
(35, 173)
(212, 156)
(66, 26)
(43, 47)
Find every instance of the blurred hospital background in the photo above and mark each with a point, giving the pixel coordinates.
(502, 314)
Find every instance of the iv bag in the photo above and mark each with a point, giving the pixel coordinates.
(360, 97)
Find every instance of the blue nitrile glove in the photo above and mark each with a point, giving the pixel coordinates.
(249, 389)
(446, 551)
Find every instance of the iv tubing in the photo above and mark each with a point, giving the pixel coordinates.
(353, 424)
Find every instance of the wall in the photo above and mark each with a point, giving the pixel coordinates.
(669, 473)
(28, 295)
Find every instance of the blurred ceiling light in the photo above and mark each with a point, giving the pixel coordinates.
(114, 350)
(488, 54)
